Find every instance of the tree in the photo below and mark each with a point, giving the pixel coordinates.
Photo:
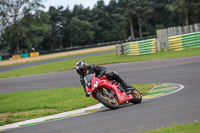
(102, 23)
(128, 12)
(37, 27)
(3, 18)
(30, 31)
(186, 10)
(144, 12)
(119, 20)
(66, 15)
(122, 23)
(81, 32)
(181, 8)
(13, 11)
(195, 13)
(56, 21)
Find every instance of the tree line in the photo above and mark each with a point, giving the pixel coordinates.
(24, 24)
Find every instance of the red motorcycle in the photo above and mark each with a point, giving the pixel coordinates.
(110, 93)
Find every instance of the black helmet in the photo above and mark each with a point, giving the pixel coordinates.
(81, 67)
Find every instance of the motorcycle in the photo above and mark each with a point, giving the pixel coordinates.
(110, 93)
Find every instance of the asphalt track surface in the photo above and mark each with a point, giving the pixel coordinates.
(19, 66)
(181, 107)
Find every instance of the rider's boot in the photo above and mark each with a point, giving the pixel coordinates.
(126, 87)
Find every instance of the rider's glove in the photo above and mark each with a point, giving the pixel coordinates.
(87, 95)
(102, 73)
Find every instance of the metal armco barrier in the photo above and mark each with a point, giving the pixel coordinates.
(141, 47)
(184, 41)
(33, 54)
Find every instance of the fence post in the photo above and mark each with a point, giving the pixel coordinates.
(118, 49)
(196, 27)
(172, 31)
(158, 44)
(185, 28)
(169, 31)
(166, 39)
(188, 29)
(180, 32)
(174, 28)
(191, 28)
(123, 48)
(158, 37)
(177, 31)
(162, 38)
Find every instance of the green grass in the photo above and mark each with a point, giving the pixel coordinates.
(143, 88)
(189, 128)
(100, 60)
(21, 106)
(26, 105)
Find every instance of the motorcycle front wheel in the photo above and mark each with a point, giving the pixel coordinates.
(137, 97)
(107, 99)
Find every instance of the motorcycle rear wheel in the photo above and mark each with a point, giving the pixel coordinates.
(137, 97)
(110, 101)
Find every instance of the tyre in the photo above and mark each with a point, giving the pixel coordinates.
(107, 99)
(137, 97)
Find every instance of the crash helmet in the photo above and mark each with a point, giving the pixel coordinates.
(81, 67)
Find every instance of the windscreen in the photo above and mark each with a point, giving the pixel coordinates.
(88, 80)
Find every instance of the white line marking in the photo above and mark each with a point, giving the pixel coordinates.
(181, 87)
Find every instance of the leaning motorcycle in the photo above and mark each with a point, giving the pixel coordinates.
(110, 93)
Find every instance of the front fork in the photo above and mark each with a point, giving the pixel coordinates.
(106, 92)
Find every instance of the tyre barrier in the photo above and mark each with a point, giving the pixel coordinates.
(184, 41)
(141, 47)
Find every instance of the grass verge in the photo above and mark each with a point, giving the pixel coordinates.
(189, 128)
(21, 106)
(100, 60)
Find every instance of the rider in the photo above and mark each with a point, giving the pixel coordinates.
(82, 69)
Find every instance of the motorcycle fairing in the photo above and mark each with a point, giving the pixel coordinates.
(104, 82)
